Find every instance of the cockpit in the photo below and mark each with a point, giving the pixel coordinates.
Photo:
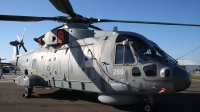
(142, 50)
(142, 61)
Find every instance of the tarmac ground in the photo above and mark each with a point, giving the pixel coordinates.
(55, 100)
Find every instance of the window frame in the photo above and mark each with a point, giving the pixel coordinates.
(135, 59)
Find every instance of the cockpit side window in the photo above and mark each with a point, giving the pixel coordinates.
(128, 56)
(119, 54)
(123, 55)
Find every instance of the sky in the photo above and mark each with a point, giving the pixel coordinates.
(175, 40)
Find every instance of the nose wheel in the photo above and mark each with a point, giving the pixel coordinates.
(150, 104)
(28, 92)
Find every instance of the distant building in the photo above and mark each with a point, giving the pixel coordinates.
(189, 65)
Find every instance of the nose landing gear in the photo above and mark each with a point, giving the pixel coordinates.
(28, 92)
(150, 103)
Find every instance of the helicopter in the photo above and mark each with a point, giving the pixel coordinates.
(2, 59)
(4, 63)
(121, 67)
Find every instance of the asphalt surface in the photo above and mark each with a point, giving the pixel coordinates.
(55, 100)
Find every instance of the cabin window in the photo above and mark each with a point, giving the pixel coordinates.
(150, 70)
(136, 71)
(48, 68)
(34, 63)
(123, 55)
(26, 72)
(53, 39)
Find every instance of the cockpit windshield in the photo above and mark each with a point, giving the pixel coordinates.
(147, 52)
(168, 57)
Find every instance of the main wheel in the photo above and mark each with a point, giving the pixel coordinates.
(31, 89)
(148, 107)
(27, 92)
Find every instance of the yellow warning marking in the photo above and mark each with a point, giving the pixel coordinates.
(55, 73)
(83, 72)
(127, 67)
(33, 70)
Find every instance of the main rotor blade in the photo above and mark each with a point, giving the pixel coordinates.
(63, 6)
(25, 18)
(148, 22)
(94, 27)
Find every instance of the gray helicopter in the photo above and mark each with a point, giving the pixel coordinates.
(121, 67)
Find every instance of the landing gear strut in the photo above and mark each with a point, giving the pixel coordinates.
(28, 91)
(149, 103)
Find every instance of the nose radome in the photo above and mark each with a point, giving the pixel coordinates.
(181, 79)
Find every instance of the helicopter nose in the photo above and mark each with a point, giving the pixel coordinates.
(181, 79)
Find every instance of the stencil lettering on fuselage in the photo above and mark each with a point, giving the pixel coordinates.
(118, 71)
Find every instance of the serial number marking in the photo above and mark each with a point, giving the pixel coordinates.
(118, 71)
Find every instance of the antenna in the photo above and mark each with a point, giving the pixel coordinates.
(188, 53)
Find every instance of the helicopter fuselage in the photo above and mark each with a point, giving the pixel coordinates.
(116, 65)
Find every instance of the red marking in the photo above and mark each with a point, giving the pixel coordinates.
(40, 41)
(162, 91)
(61, 36)
(32, 96)
(23, 95)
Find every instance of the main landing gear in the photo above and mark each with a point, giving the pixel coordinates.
(149, 103)
(28, 91)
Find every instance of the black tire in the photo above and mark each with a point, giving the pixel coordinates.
(148, 107)
(31, 89)
(27, 92)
